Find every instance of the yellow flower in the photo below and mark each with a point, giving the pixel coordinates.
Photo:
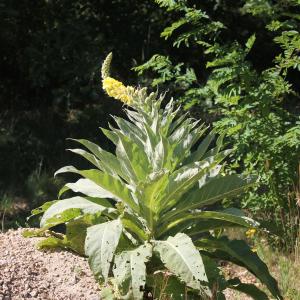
(250, 233)
(116, 89)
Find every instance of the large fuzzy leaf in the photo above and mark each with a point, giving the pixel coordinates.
(239, 252)
(131, 130)
(149, 192)
(100, 244)
(202, 148)
(182, 148)
(133, 159)
(186, 177)
(86, 187)
(210, 193)
(88, 156)
(72, 208)
(214, 190)
(135, 225)
(130, 271)
(181, 257)
(114, 187)
(228, 216)
(41, 209)
(107, 161)
(76, 231)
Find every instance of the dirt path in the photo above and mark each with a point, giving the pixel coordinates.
(26, 273)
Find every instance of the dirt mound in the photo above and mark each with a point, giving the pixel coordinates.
(27, 273)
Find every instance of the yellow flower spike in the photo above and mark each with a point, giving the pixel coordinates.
(116, 89)
(250, 233)
(113, 87)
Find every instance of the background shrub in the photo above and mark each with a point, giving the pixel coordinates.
(240, 72)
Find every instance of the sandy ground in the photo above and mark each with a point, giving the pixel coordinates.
(27, 273)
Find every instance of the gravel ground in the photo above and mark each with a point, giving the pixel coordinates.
(27, 273)
(245, 276)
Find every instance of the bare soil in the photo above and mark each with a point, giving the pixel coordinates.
(27, 273)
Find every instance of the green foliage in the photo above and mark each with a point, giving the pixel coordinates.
(153, 205)
(50, 84)
(249, 89)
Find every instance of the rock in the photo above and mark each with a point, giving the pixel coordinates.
(3, 263)
(34, 293)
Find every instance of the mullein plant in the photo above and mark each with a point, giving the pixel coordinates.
(144, 216)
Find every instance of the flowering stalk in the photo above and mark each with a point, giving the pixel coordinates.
(113, 87)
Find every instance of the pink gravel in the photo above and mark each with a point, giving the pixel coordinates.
(27, 273)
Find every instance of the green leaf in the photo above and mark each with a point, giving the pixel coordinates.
(130, 130)
(214, 190)
(59, 218)
(165, 285)
(182, 180)
(109, 162)
(181, 257)
(86, 187)
(133, 159)
(42, 208)
(51, 243)
(133, 224)
(88, 156)
(130, 271)
(177, 122)
(76, 231)
(202, 148)
(69, 209)
(107, 293)
(36, 232)
(100, 245)
(246, 288)
(226, 216)
(110, 135)
(149, 193)
(115, 187)
(168, 31)
(250, 42)
(183, 147)
(239, 252)
(193, 230)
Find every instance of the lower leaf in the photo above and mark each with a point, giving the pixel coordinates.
(246, 288)
(181, 257)
(239, 252)
(100, 245)
(130, 271)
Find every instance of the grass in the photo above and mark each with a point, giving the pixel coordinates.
(285, 268)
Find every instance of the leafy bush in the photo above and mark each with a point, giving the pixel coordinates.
(241, 74)
(146, 217)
